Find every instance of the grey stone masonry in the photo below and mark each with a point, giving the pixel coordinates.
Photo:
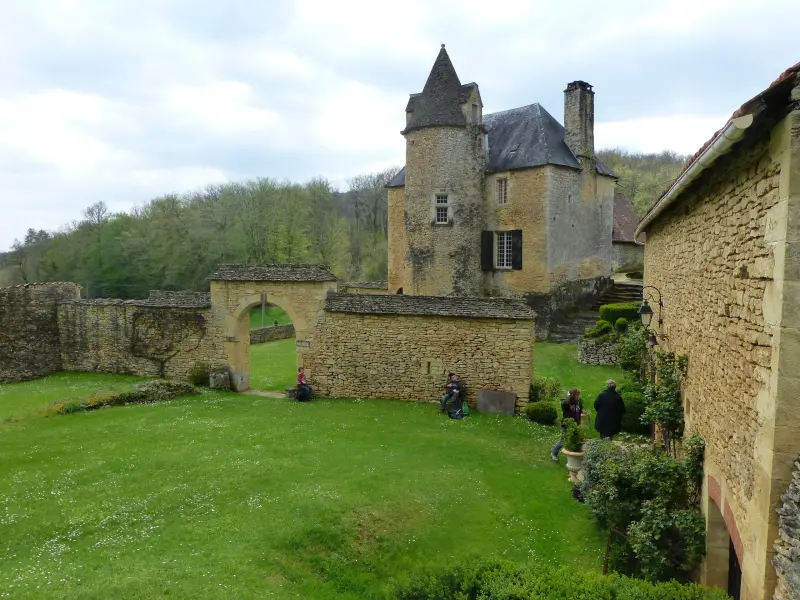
(444, 306)
(601, 351)
(787, 549)
(297, 272)
(271, 334)
(181, 299)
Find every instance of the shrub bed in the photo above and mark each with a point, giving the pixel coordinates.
(482, 580)
(157, 390)
(635, 404)
(545, 389)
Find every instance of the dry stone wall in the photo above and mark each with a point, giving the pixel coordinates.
(787, 549)
(271, 334)
(147, 337)
(404, 346)
(29, 333)
(597, 352)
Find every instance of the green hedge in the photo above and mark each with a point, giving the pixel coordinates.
(485, 580)
(634, 409)
(545, 389)
(543, 413)
(625, 310)
(602, 328)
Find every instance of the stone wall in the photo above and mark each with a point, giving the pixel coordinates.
(718, 258)
(29, 333)
(271, 334)
(626, 255)
(553, 306)
(580, 219)
(148, 338)
(787, 549)
(365, 287)
(396, 239)
(403, 347)
(598, 351)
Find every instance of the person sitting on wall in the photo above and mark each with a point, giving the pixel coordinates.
(304, 389)
(452, 392)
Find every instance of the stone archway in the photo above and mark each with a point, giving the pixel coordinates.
(721, 567)
(300, 290)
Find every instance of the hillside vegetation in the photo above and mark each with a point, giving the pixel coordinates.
(175, 241)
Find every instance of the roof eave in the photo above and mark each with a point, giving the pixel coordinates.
(733, 132)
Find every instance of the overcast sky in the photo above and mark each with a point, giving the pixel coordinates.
(123, 100)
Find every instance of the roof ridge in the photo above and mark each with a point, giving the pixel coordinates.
(500, 112)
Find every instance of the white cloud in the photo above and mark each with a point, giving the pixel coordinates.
(681, 133)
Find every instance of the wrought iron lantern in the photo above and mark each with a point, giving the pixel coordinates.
(646, 314)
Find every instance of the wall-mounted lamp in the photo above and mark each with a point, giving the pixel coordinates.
(646, 314)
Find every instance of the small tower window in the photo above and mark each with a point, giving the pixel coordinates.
(502, 191)
(474, 113)
(442, 209)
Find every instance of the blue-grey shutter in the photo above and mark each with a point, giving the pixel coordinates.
(516, 249)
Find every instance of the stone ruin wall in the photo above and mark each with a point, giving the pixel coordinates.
(139, 337)
(598, 352)
(712, 264)
(29, 332)
(358, 353)
(271, 334)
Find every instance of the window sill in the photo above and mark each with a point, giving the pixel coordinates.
(503, 268)
(435, 224)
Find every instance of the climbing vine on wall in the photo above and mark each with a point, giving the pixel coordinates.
(664, 403)
(158, 334)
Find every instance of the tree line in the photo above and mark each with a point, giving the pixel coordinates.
(175, 241)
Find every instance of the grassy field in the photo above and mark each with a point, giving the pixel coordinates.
(272, 313)
(237, 496)
(273, 365)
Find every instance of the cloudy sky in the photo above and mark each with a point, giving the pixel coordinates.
(123, 100)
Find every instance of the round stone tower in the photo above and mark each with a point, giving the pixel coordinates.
(443, 197)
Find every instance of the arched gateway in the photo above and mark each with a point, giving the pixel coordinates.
(300, 290)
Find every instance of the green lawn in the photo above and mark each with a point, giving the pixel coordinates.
(273, 365)
(238, 496)
(272, 313)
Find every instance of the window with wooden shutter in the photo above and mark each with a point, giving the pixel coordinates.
(487, 250)
(516, 249)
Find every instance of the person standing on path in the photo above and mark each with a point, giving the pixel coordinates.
(609, 408)
(571, 408)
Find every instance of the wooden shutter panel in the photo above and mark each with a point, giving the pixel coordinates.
(487, 250)
(516, 249)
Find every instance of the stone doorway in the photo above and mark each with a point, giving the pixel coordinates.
(300, 290)
(721, 568)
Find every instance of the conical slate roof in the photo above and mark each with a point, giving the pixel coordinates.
(440, 100)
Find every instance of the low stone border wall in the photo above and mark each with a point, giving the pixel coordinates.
(270, 334)
(597, 352)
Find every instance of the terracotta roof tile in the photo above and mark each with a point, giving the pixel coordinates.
(625, 220)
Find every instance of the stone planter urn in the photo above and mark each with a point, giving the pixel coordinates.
(574, 464)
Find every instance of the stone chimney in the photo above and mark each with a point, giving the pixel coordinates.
(579, 118)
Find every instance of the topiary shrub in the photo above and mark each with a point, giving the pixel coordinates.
(545, 389)
(627, 310)
(543, 413)
(635, 403)
(621, 325)
(574, 436)
(630, 386)
(199, 375)
(602, 328)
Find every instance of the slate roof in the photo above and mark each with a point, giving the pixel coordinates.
(367, 285)
(272, 273)
(391, 304)
(440, 100)
(625, 221)
(520, 138)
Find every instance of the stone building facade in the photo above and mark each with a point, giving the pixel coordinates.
(508, 204)
(723, 249)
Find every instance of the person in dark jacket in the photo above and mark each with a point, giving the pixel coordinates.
(571, 408)
(609, 409)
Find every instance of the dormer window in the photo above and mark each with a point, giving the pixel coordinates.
(474, 113)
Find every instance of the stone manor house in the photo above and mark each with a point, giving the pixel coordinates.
(505, 204)
(723, 253)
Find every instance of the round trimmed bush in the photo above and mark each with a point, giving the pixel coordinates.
(543, 413)
(621, 325)
(634, 409)
(602, 328)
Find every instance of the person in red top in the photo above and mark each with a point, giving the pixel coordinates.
(304, 390)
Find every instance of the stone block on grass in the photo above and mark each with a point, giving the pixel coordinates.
(494, 402)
